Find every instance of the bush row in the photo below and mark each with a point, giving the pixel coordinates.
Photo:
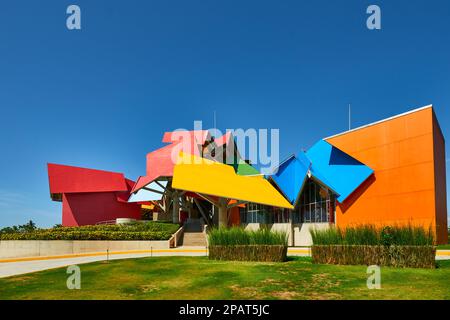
(134, 231)
(371, 235)
(239, 236)
(395, 256)
(132, 227)
(268, 253)
(54, 234)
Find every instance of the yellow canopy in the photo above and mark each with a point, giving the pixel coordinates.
(196, 174)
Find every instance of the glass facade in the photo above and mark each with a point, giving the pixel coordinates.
(316, 204)
(255, 213)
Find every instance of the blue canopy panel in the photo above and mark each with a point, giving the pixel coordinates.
(291, 176)
(336, 169)
(319, 177)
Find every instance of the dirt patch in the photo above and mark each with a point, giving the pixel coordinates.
(259, 293)
(324, 281)
(271, 281)
(285, 295)
(246, 292)
(22, 278)
(321, 275)
(323, 296)
(148, 288)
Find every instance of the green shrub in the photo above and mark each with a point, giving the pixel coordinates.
(135, 231)
(386, 236)
(402, 256)
(238, 236)
(371, 235)
(242, 245)
(88, 235)
(131, 227)
(267, 253)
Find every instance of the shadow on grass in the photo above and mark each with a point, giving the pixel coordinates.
(443, 264)
(298, 258)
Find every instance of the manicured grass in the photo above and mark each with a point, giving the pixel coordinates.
(445, 246)
(200, 278)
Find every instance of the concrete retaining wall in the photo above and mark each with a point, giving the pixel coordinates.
(36, 248)
(251, 226)
(284, 227)
(302, 233)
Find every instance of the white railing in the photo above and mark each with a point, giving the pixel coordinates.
(204, 230)
(175, 238)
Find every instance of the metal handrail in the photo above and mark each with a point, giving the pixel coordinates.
(106, 222)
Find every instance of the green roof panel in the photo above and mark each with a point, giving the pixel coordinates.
(245, 169)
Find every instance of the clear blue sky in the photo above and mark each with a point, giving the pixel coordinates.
(101, 97)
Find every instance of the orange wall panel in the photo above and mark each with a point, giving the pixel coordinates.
(403, 153)
(235, 218)
(440, 182)
(400, 153)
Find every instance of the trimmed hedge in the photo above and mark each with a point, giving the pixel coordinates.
(394, 256)
(267, 253)
(88, 235)
(239, 244)
(131, 227)
(136, 231)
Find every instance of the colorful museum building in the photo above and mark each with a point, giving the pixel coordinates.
(390, 172)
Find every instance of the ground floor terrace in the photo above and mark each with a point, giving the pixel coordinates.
(316, 209)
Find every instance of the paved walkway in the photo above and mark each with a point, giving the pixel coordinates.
(17, 266)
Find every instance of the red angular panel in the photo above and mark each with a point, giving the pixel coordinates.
(68, 179)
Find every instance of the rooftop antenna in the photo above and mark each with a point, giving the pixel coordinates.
(214, 127)
(349, 116)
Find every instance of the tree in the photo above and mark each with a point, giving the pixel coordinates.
(28, 227)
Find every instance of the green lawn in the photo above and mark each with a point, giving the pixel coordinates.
(200, 278)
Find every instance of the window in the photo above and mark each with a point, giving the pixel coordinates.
(316, 204)
(280, 215)
(255, 213)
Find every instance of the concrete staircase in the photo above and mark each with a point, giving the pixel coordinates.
(193, 233)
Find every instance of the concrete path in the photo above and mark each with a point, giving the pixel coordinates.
(17, 266)
(11, 267)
